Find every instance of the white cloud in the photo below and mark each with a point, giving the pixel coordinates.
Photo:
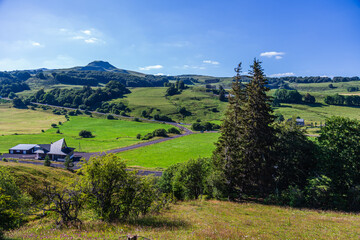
(87, 32)
(91, 40)
(159, 74)
(147, 68)
(36, 44)
(178, 44)
(211, 62)
(277, 55)
(282, 74)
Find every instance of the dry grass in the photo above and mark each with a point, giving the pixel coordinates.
(212, 220)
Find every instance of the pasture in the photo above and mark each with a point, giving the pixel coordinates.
(162, 155)
(25, 121)
(109, 134)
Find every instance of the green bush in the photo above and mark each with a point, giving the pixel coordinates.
(85, 134)
(115, 193)
(110, 117)
(173, 130)
(160, 133)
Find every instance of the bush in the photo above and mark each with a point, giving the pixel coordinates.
(53, 125)
(85, 134)
(173, 130)
(138, 136)
(187, 180)
(47, 161)
(204, 126)
(115, 193)
(147, 136)
(110, 117)
(137, 120)
(58, 131)
(4, 160)
(160, 133)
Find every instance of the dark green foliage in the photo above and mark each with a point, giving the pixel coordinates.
(172, 91)
(162, 118)
(187, 180)
(308, 98)
(295, 156)
(58, 131)
(85, 134)
(340, 140)
(12, 95)
(331, 86)
(18, 103)
(205, 126)
(184, 112)
(222, 94)
(47, 161)
(160, 133)
(343, 100)
(110, 117)
(53, 125)
(353, 89)
(138, 136)
(8, 86)
(279, 117)
(173, 130)
(147, 136)
(87, 97)
(243, 152)
(287, 96)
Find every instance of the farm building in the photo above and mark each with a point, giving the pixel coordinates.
(56, 151)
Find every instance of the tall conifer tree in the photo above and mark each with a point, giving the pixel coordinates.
(243, 152)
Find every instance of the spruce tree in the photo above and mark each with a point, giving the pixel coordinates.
(243, 152)
(68, 163)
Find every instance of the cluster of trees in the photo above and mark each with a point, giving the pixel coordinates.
(9, 87)
(291, 96)
(256, 157)
(204, 126)
(343, 100)
(352, 89)
(85, 98)
(174, 88)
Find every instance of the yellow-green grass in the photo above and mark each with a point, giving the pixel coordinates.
(25, 121)
(109, 134)
(210, 220)
(30, 178)
(162, 155)
(317, 113)
(340, 87)
(200, 104)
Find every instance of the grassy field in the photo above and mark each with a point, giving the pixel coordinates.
(109, 134)
(210, 220)
(201, 104)
(25, 121)
(162, 155)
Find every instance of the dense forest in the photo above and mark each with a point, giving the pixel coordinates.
(351, 100)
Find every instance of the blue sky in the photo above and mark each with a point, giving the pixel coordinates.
(301, 38)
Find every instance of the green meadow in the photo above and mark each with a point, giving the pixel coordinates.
(162, 155)
(109, 134)
(200, 104)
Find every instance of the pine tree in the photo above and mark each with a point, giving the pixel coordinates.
(68, 163)
(47, 162)
(243, 152)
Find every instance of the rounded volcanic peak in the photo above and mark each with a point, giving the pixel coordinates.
(99, 66)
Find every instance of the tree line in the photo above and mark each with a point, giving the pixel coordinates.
(342, 100)
(291, 96)
(86, 98)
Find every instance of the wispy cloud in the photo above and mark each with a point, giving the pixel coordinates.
(89, 36)
(193, 67)
(276, 55)
(159, 74)
(147, 68)
(178, 44)
(211, 62)
(282, 74)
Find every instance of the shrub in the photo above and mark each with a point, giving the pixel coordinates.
(173, 130)
(110, 117)
(137, 119)
(160, 133)
(4, 160)
(138, 136)
(53, 125)
(58, 131)
(47, 161)
(115, 193)
(147, 136)
(85, 134)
